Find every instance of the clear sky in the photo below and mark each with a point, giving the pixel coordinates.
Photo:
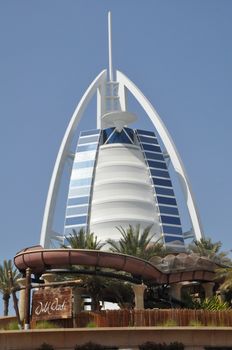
(178, 52)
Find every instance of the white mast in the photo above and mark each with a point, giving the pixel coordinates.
(110, 48)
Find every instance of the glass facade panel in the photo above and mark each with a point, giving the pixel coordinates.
(111, 135)
(155, 156)
(70, 230)
(174, 239)
(80, 182)
(172, 229)
(160, 173)
(154, 164)
(79, 192)
(162, 182)
(87, 148)
(78, 200)
(71, 211)
(145, 132)
(130, 133)
(86, 164)
(170, 220)
(76, 220)
(90, 132)
(88, 139)
(151, 148)
(148, 139)
(166, 200)
(168, 210)
(164, 191)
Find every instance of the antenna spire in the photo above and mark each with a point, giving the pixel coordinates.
(110, 48)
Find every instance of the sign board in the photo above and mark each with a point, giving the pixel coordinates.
(52, 303)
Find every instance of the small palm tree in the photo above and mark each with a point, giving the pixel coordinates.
(136, 243)
(5, 288)
(83, 240)
(205, 247)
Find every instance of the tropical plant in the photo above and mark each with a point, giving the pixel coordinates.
(225, 275)
(5, 287)
(205, 247)
(83, 240)
(136, 243)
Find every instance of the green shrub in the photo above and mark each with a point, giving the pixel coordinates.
(45, 346)
(91, 325)
(46, 325)
(169, 323)
(195, 323)
(12, 326)
(90, 346)
(155, 346)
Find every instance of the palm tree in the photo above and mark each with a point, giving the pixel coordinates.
(205, 247)
(136, 243)
(83, 240)
(5, 288)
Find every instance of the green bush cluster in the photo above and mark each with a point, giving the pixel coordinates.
(93, 346)
(163, 346)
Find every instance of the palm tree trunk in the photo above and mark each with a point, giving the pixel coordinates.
(6, 298)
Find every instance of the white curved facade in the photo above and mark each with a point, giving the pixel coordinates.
(122, 192)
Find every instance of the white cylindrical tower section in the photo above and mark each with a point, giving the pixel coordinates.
(122, 192)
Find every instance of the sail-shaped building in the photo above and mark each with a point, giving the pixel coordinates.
(120, 175)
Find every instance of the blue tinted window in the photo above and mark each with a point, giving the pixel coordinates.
(154, 164)
(80, 182)
(151, 148)
(161, 173)
(162, 182)
(148, 140)
(69, 230)
(86, 164)
(87, 148)
(79, 191)
(76, 220)
(89, 139)
(78, 200)
(168, 210)
(90, 132)
(167, 191)
(130, 133)
(174, 239)
(83, 209)
(172, 229)
(170, 220)
(155, 156)
(145, 132)
(166, 200)
(116, 137)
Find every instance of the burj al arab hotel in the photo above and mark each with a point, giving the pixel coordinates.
(120, 176)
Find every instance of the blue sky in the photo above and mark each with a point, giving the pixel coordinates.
(178, 52)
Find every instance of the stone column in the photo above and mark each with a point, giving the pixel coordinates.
(22, 283)
(138, 290)
(175, 290)
(208, 288)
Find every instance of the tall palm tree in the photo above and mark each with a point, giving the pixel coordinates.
(205, 247)
(83, 240)
(5, 288)
(136, 243)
